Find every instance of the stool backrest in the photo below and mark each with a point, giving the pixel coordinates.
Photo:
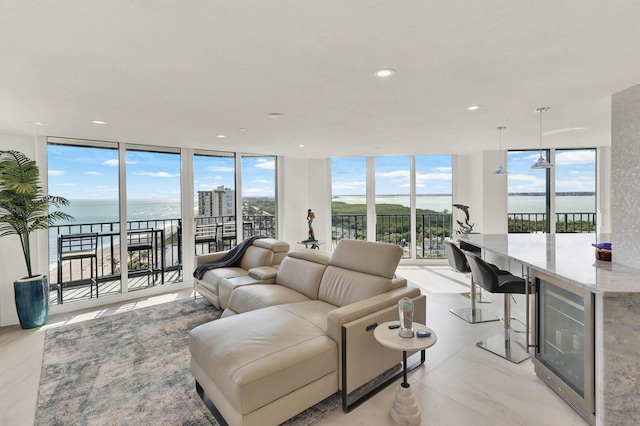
(483, 274)
(456, 258)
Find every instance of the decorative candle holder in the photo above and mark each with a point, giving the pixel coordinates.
(405, 313)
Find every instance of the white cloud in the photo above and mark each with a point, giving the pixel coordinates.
(221, 169)
(157, 174)
(56, 172)
(394, 174)
(94, 173)
(115, 162)
(576, 157)
(258, 192)
(266, 164)
(262, 181)
(336, 186)
(443, 169)
(422, 177)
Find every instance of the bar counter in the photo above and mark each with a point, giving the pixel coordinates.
(571, 258)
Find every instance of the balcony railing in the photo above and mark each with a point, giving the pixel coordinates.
(166, 253)
(433, 228)
(565, 222)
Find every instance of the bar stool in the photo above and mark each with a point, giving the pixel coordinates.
(459, 263)
(492, 281)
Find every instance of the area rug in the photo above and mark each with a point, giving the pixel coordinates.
(132, 368)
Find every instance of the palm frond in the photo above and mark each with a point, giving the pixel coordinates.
(24, 207)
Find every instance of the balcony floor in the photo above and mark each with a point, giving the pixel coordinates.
(106, 288)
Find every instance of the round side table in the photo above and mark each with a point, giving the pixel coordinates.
(405, 409)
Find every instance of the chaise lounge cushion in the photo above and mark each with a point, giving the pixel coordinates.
(280, 353)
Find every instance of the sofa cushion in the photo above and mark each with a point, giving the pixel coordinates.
(260, 356)
(255, 256)
(301, 272)
(314, 311)
(366, 256)
(212, 278)
(257, 296)
(341, 286)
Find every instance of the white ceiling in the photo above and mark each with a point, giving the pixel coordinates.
(181, 72)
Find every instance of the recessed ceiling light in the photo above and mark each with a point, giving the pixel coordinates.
(98, 122)
(274, 115)
(37, 123)
(384, 73)
(474, 107)
(221, 136)
(300, 146)
(243, 129)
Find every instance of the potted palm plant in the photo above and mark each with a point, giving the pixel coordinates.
(24, 208)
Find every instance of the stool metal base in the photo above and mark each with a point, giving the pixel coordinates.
(506, 347)
(474, 315)
(480, 298)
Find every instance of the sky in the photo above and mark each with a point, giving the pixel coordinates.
(92, 173)
(575, 172)
(80, 173)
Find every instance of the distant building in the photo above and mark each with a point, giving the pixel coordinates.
(219, 202)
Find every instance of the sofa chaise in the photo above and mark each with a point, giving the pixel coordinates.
(285, 345)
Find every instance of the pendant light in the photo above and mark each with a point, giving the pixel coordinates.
(542, 163)
(500, 170)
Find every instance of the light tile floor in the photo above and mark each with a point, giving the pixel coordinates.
(459, 384)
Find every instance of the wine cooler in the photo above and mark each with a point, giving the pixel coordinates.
(564, 338)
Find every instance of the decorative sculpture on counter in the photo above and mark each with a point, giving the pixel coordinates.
(405, 313)
(310, 217)
(466, 227)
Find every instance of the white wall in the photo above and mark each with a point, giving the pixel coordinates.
(12, 264)
(494, 193)
(475, 185)
(304, 184)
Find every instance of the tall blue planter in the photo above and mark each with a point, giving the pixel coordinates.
(32, 301)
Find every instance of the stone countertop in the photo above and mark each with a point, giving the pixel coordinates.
(569, 257)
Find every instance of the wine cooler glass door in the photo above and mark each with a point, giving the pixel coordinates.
(565, 336)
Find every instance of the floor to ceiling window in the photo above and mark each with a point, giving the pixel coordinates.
(575, 196)
(403, 184)
(434, 188)
(348, 199)
(528, 198)
(393, 201)
(214, 184)
(259, 195)
(533, 205)
(86, 173)
(153, 216)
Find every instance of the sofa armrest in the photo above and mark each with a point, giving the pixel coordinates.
(345, 314)
(398, 282)
(210, 257)
(263, 273)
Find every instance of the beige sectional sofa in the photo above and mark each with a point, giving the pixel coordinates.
(285, 345)
(262, 252)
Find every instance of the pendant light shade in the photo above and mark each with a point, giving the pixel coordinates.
(541, 163)
(500, 170)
